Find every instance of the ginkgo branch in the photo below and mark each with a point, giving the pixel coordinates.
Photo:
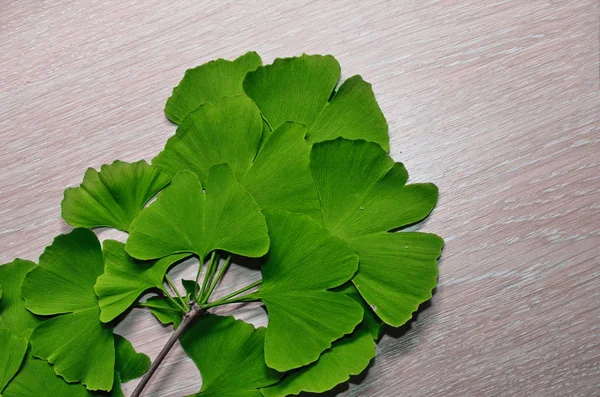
(188, 319)
(170, 282)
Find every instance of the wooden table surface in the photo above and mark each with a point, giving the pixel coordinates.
(497, 102)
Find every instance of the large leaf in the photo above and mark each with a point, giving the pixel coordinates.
(347, 357)
(305, 261)
(63, 283)
(36, 378)
(300, 89)
(112, 197)
(230, 356)
(363, 196)
(208, 83)
(126, 278)
(11, 355)
(275, 170)
(13, 314)
(184, 219)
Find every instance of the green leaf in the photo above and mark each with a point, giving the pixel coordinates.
(184, 219)
(13, 314)
(228, 131)
(36, 378)
(347, 357)
(353, 113)
(64, 283)
(363, 196)
(230, 355)
(112, 197)
(304, 261)
(11, 355)
(301, 89)
(129, 364)
(165, 310)
(126, 278)
(275, 171)
(208, 83)
(191, 288)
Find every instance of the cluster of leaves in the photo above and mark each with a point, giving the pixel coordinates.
(269, 162)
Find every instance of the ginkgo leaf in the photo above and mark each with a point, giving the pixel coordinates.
(126, 278)
(184, 219)
(13, 314)
(300, 89)
(230, 356)
(11, 355)
(208, 83)
(165, 310)
(304, 261)
(63, 283)
(274, 170)
(112, 197)
(363, 196)
(36, 378)
(347, 357)
(129, 364)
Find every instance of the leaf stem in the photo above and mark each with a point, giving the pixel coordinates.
(210, 272)
(151, 306)
(170, 282)
(173, 301)
(230, 298)
(188, 319)
(216, 281)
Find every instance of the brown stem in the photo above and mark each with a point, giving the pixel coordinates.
(188, 319)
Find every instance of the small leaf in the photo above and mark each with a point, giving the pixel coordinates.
(13, 314)
(274, 170)
(208, 83)
(112, 197)
(11, 355)
(304, 261)
(64, 283)
(129, 364)
(191, 289)
(184, 219)
(301, 89)
(363, 196)
(164, 310)
(126, 278)
(36, 378)
(230, 355)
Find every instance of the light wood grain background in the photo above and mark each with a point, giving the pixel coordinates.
(497, 102)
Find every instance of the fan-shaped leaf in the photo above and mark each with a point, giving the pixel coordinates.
(113, 196)
(185, 219)
(347, 357)
(230, 355)
(275, 171)
(299, 89)
(64, 283)
(11, 355)
(129, 364)
(126, 278)
(36, 378)
(208, 83)
(363, 196)
(304, 261)
(164, 310)
(13, 314)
